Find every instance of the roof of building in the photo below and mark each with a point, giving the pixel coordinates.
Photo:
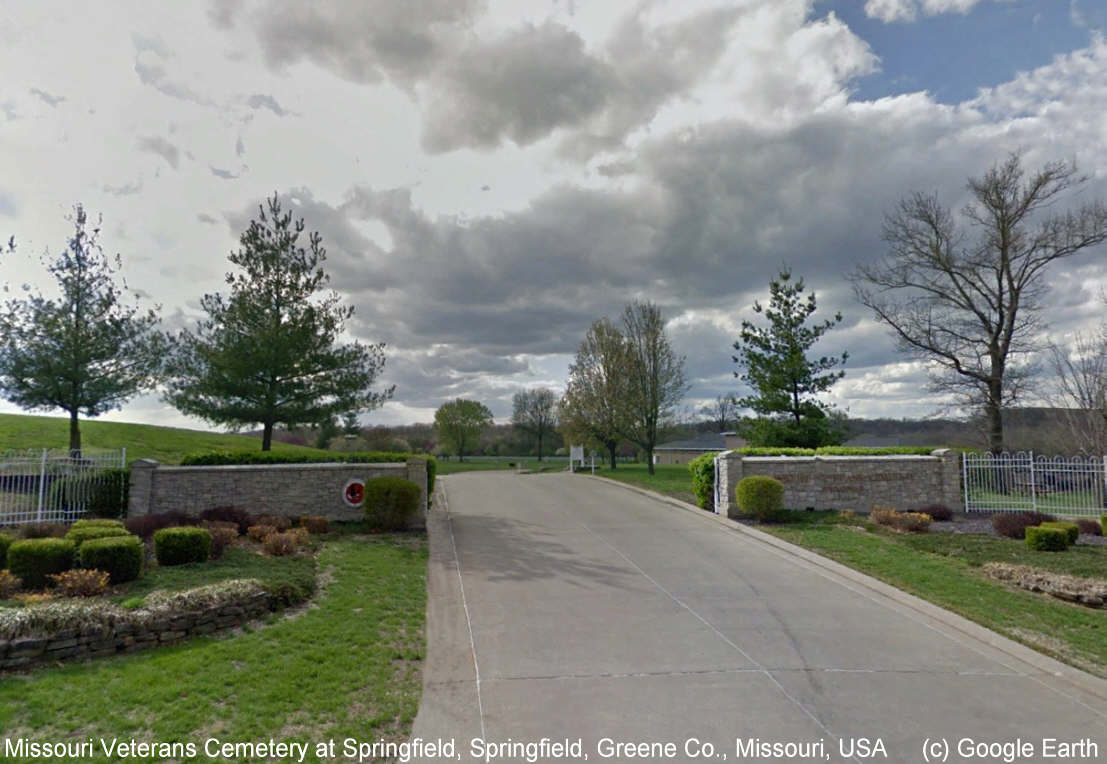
(709, 441)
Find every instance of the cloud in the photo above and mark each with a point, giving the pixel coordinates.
(890, 11)
(126, 189)
(364, 41)
(262, 101)
(239, 147)
(47, 98)
(222, 174)
(207, 219)
(155, 144)
(151, 56)
(8, 207)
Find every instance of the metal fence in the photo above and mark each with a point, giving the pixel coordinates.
(53, 485)
(1073, 486)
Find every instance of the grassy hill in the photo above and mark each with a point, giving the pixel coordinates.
(142, 441)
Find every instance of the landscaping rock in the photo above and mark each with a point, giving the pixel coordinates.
(1089, 592)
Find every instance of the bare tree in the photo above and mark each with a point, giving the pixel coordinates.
(972, 305)
(1080, 388)
(722, 412)
(592, 407)
(535, 412)
(655, 376)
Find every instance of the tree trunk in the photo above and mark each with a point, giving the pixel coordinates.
(539, 446)
(267, 436)
(995, 422)
(611, 450)
(649, 459)
(74, 435)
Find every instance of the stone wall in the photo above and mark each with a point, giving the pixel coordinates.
(850, 482)
(98, 641)
(269, 489)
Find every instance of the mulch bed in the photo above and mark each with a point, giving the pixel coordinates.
(980, 523)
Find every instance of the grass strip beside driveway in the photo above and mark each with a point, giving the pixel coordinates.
(348, 666)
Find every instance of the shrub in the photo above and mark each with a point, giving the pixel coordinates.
(9, 584)
(1089, 527)
(1042, 539)
(236, 515)
(1103, 524)
(80, 535)
(221, 538)
(43, 531)
(280, 544)
(98, 522)
(315, 524)
(261, 532)
(940, 513)
(282, 524)
(1072, 529)
(390, 502)
(760, 496)
(1013, 525)
(144, 526)
(5, 542)
(104, 494)
(703, 479)
(182, 545)
(119, 556)
(35, 559)
(80, 583)
(904, 522)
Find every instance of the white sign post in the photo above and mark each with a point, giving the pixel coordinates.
(576, 454)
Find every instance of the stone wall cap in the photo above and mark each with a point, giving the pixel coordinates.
(838, 458)
(277, 467)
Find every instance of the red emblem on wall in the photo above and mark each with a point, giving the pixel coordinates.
(354, 492)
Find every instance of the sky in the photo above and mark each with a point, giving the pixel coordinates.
(490, 176)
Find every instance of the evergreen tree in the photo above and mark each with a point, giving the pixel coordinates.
(785, 381)
(268, 352)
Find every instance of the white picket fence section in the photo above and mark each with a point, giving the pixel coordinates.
(1069, 486)
(30, 483)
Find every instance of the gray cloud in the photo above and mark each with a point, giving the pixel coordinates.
(151, 55)
(47, 98)
(126, 189)
(222, 174)
(239, 147)
(204, 217)
(155, 144)
(262, 101)
(7, 206)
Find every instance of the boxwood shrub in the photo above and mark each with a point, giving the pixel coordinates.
(1103, 524)
(760, 496)
(35, 559)
(119, 556)
(1045, 539)
(80, 534)
(181, 545)
(390, 502)
(5, 542)
(97, 522)
(1072, 529)
(703, 479)
(103, 494)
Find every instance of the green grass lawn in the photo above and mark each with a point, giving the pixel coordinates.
(944, 568)
(670, 479)
(348, 666)
(166, 444)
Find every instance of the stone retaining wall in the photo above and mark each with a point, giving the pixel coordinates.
(850, 482)
(271, 489)
(99, 641)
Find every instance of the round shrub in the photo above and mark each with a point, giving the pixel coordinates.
(703, 479)
(79, 535)
(5, 542)
(119, 556)
(939, 513)
(760, 496)
(1089, 527)
(1071, 529)
(182, 545)
(1013, 525)
(80, 583)
(236, 515)
(9, 584)
(390, 503)
(35, 559)
(1042, 539)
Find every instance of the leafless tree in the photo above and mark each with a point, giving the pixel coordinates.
(655, 376)
(535, 412)
(971, 305)
(722, 412)
(1080, 389)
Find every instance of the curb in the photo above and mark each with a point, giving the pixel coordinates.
(1084, 681)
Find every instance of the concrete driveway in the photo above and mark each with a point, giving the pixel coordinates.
(570, 609)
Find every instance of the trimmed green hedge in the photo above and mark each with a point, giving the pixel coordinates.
(119, 556)
(5, 542)
(760, 496)
(80, 534)
(1103, 523)
(837, 451)
(1071, 529)
(209, 458)
(390, 502)
(35, 559)
(104, 494)
(703, 479)
(97, 522)
(182, 545)
(1042, 539)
